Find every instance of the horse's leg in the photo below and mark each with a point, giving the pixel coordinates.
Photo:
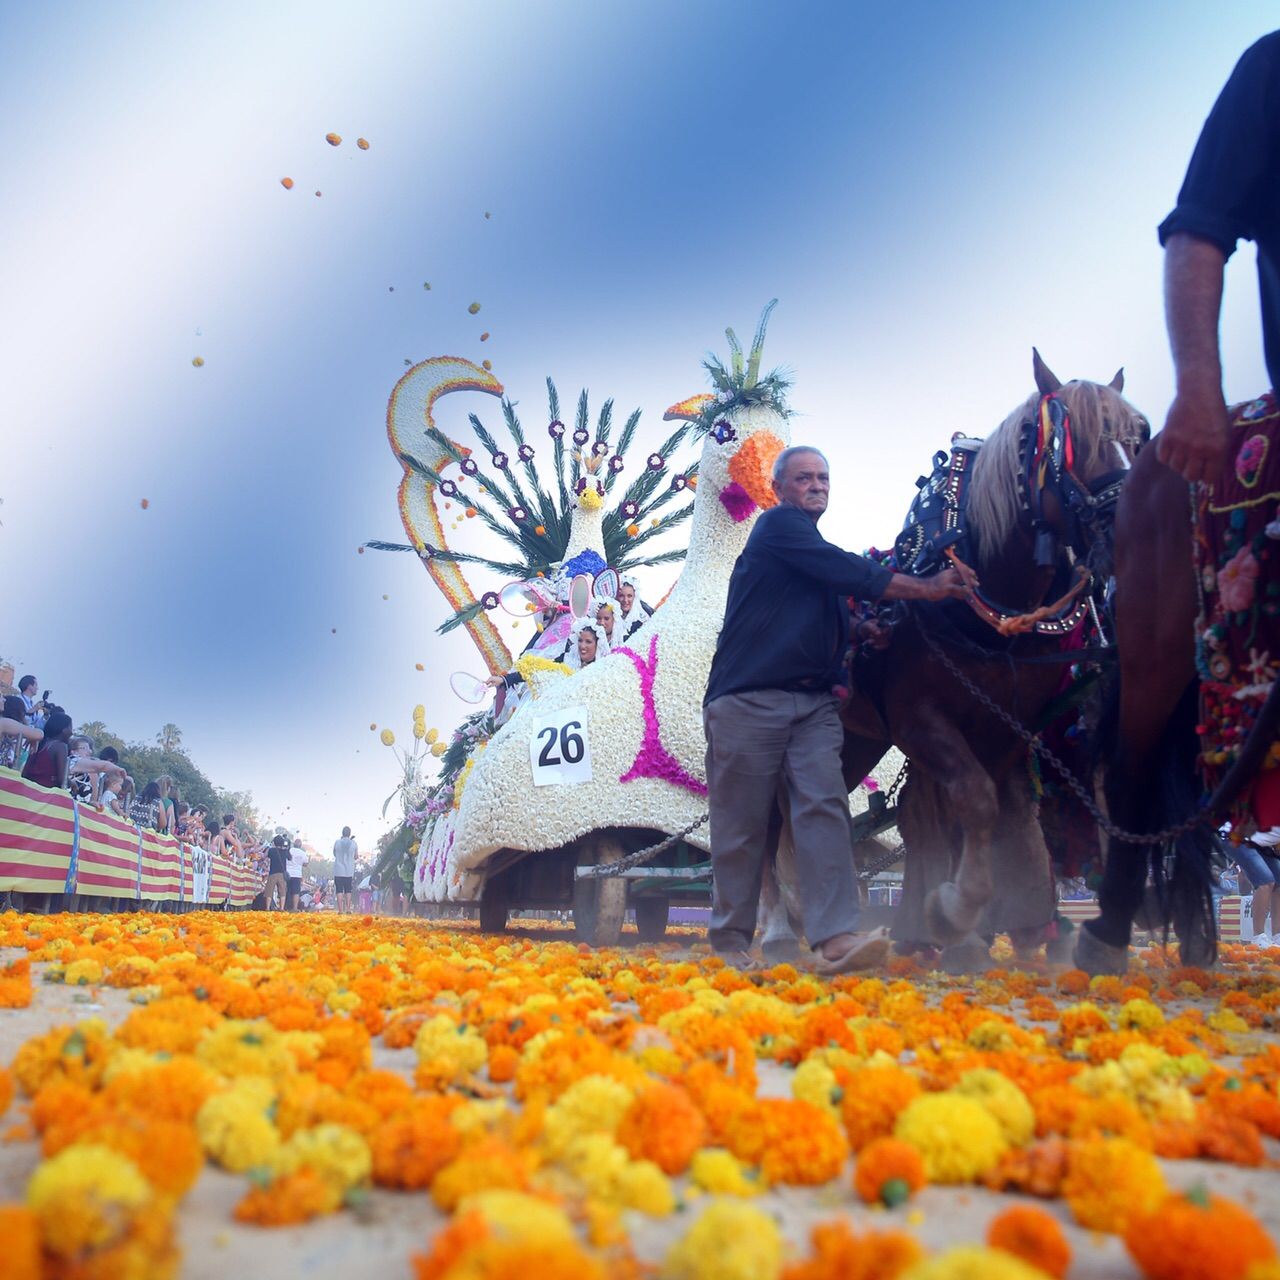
(1023, 903)
(930, 847)
(1155, 620)
(938, 746)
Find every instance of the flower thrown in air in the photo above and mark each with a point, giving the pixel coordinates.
(448, 488)
(656, 462)
(615, 464)
(629, 510)
(580, 436)
(469, 467)
(556, 429)
(723, 432)
(517, 513)
(525, 453)
(501, 461)
(489, 599)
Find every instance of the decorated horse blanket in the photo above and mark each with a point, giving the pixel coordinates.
(1237, 559)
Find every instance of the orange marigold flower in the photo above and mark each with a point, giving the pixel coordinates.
(1037, 1170)
(503, 1060)
(1075, 982)
(873, 1096)
(663, 1125)
(174, 1090)
(21, 1235)
(410, 1148)
(290, 1199)
(1109, 1181)
(15, 984)
(166, 1153)
(1032, 1235)
(1232, 1139)
(1111, 1116)
(1176, 1139)
(793, 1141)
(1197, 1236)
(888, 1172)
(839, 1254)
(6, 1090)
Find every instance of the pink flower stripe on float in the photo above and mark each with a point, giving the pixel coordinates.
(653, 759)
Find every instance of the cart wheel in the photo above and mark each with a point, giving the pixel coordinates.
(599, 905)
(493, 906)
(651, 917)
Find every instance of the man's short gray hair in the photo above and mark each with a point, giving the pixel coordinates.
(780, 462)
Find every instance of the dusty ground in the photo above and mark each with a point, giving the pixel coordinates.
(395, 1225)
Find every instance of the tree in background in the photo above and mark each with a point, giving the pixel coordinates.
(169, 737)
(144, 762)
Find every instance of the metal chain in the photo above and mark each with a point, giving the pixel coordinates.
(892, 794)
(882, 863)
(603, 870)
(1064, 771)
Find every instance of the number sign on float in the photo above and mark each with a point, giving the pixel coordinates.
(560, 751)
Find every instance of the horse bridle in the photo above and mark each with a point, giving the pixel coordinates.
(1048, 453)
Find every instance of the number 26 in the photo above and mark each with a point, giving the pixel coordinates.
(572, 747)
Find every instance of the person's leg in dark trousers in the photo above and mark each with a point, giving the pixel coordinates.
(818, 803)
(747, 736)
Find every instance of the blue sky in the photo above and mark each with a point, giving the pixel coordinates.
(929, 189)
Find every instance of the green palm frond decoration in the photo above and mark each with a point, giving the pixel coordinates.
(741, 385)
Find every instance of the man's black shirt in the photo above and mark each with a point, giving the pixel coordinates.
(1232, 188)
(786, 623)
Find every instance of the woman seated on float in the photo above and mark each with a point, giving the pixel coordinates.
(607, 617)
(633, 612)
(591, 643)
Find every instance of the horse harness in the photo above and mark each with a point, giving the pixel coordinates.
(937, 531)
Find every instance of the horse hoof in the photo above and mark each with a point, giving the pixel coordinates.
(969, 955)
(783, 951)
(1059, 949)
(1096, 957)
(949, 919)
(1199, 950)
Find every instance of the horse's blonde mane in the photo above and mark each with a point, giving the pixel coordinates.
(1099, 416)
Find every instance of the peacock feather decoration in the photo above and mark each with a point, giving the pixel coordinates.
(531, 512)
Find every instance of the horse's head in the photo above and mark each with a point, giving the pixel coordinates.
(1081, 441)
(1052, 471)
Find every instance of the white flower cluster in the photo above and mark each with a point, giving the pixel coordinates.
(500, 806)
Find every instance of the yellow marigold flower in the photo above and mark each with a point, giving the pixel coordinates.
(419, 731)
(642, 1186)
(973, 1262)
(991, 1035)
(1003, 1099)
(721, 1173)
(388, 738)
(86, 1198)
(597, 1161)
(521, 1219)
(338, 1154)
(1228, 1022)
(237, 1048)
(82, 973)
(235, 1132)
(1140, 1015)
(815, 1082)
(419, 714)
(594, 1104)
(433, 735)
(730, 1241)
(1110, 1181)
(958, 1138)
(448, 1050)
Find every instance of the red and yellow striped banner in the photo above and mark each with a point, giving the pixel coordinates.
(37, 836)
(107, 863)
(219, 880)
(161, 867)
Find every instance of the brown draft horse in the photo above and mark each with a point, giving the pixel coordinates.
(968, 787)
(1151, 779)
